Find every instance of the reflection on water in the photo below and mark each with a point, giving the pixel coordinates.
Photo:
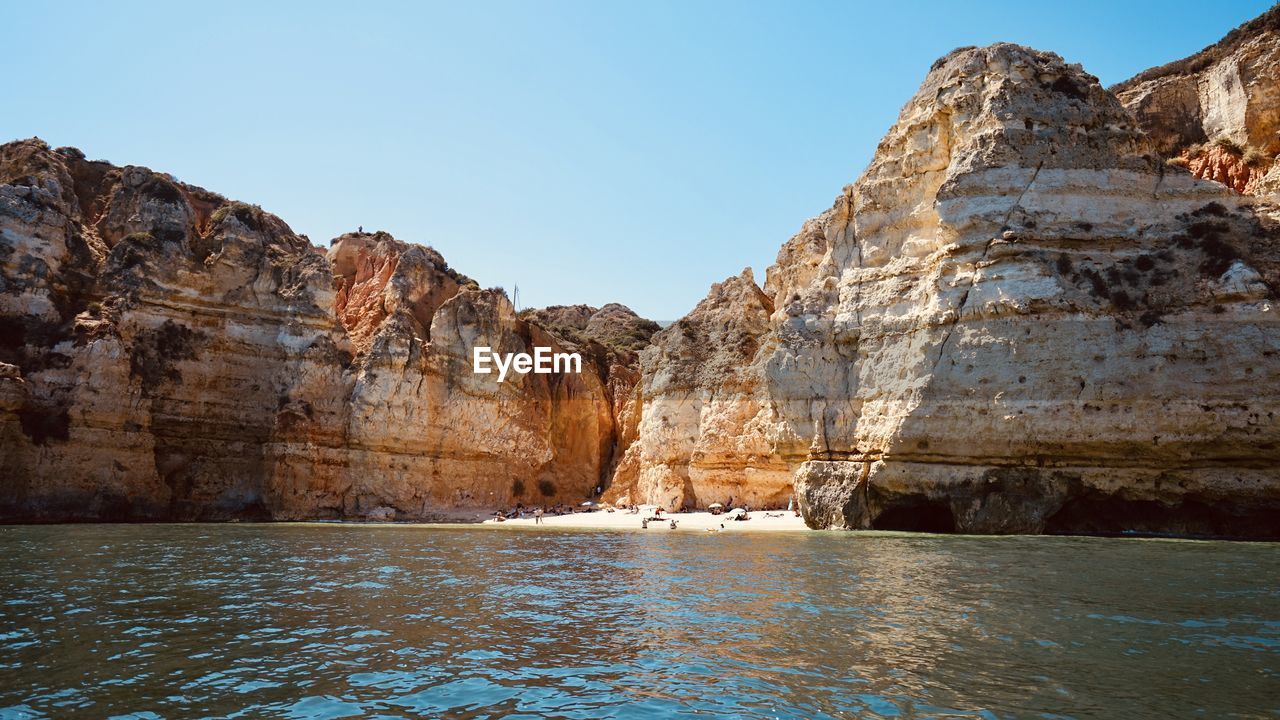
(308, 621)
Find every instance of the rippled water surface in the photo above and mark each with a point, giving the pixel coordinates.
(315, 621)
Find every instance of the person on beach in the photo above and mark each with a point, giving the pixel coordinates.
(537, 516)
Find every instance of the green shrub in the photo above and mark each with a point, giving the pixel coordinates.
(249, 215)
(1255, 158)
(1229, 145)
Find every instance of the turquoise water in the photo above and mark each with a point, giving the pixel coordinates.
(317, 621)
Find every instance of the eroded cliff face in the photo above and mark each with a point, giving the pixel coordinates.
(611, 337)
(1218, 111)
(1026, 322)
(169, 354)
(705, 417)
(1226, 164)
(1019, 319)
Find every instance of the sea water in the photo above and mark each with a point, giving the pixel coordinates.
(329, 621)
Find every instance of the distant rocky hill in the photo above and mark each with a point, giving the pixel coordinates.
(166, 353)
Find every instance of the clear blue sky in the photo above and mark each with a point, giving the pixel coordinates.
(590, 151)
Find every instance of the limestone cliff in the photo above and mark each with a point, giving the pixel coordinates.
(703, 426)
(612, 338)
(1034, 325)
(170, 354)
(1218, 111)
(1019, 319)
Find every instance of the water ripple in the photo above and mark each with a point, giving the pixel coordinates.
(333, 621)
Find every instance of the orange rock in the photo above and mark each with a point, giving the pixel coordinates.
(170, 354)
(1222, 165)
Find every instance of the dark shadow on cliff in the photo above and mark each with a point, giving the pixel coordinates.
(917, 514)
(1099, 514)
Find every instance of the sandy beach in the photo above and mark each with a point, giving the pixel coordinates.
(760, 521)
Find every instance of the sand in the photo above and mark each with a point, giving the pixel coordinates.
(685, 521)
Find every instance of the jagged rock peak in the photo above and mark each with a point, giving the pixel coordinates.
(1006, 104)
(1015, 254)
(615, 326)
(986, 121)
(381, 242)
(114, 202)
(982, 332)
(702, 409)
(378, 276)
(716, 341)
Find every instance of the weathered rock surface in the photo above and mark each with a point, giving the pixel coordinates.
(704, 422)
(612, 338)
(1230, 89)
(1019, 319)
(1230, 92)
(1226, 166)
(168, 354)
(1027, 323)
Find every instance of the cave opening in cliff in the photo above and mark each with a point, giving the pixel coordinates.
(1100, 514)
(917, 514)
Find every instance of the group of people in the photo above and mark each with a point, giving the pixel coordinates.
(644, 524)
(537, 512)
(792, 507)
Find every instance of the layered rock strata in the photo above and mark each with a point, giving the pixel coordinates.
(1028, 323)
(703, 433)
(1038, 310)
(1019, 319)
(169, 354)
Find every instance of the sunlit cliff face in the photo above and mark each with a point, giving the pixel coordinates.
(1005, 325)
(173, 354)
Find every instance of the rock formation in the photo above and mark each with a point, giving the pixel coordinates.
(1044, 307)
(611, 337)
(1019, 319)
(1218, 110)
(169, 354)
(1034, 325)
(1224, 162)
(703, 427)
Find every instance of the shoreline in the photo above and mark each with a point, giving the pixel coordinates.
(699, 521)
(581, 523)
